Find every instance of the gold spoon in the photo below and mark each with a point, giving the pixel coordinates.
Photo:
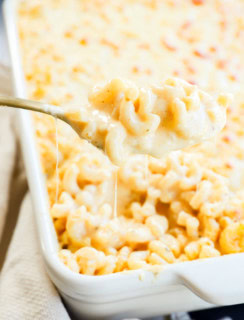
(57, 112)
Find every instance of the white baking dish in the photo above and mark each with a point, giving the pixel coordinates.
(185, 286)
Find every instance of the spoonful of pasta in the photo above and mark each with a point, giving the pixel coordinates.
(122, 118)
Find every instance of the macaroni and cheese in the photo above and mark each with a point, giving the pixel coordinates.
(189, 204)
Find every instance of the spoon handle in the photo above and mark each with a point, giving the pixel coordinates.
(19, 103)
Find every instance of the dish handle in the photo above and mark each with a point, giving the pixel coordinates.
(219, 281)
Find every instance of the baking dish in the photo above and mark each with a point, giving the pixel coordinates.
(184, 286)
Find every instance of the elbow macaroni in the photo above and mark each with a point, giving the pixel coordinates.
(189, 204)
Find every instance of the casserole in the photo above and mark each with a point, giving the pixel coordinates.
(186, 286)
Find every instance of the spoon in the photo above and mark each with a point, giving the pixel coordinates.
(57, 112)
